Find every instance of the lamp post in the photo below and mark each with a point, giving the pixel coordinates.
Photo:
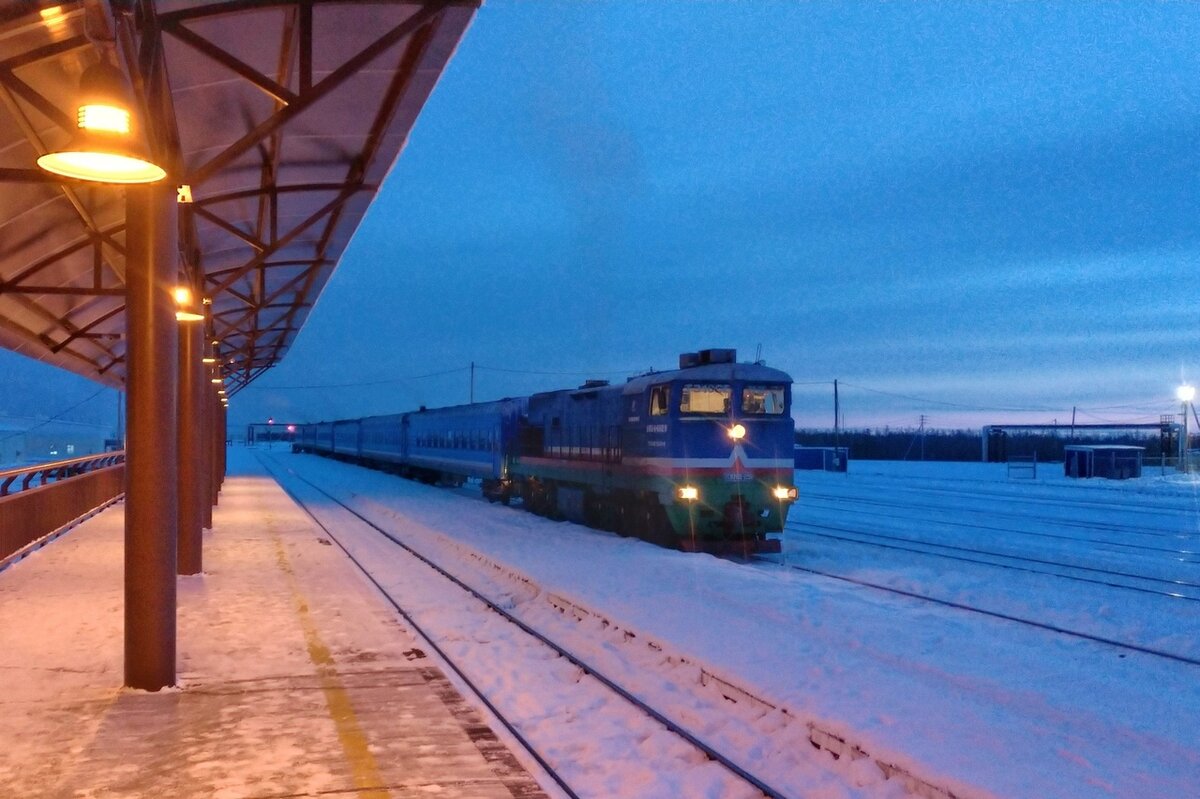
(1185, 394)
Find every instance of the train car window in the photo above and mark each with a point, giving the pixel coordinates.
(705, 399)
(659, 397)
(763, 400)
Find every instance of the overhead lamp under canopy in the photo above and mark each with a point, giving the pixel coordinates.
(105, 147)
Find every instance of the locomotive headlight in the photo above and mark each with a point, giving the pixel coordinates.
(737, 432)
(784, 492)
(687, 493)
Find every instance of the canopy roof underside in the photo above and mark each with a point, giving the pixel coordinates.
(282, 118)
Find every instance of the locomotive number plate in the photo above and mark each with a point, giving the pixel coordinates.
(738, 477)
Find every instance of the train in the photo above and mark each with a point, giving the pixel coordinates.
(697, 458)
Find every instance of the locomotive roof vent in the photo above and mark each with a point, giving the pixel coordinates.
(717, 356)
(594, 384)
(689, 359)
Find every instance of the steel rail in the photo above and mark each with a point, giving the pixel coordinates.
(1028, 558)
(1145, 650)
(415, 625)
(811, 530)
(671, 726)
(841, 503)
(1173, 509)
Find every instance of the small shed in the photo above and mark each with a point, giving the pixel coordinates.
(829, 459)
(1113, 461)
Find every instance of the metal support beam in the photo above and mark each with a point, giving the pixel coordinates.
(193, 385)
(208, 413)
(216, 444)
(224, 430)
(151, 457)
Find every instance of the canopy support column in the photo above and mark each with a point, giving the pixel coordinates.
(193, 385)
(151, 457)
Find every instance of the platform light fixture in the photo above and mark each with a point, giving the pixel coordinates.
(105, 147)
(187, 311)
(208, 359)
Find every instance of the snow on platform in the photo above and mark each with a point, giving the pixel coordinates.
(978, 706)
(295, 679)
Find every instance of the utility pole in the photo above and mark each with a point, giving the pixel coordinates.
(837, 439)
(922, 430)
(472, 382)
(1072, 421)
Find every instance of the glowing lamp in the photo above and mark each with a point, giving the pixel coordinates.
(687, 493)
(1185, 393)
(218, 380)
(208, 359)
(737, 432)
(784, 492)
(183, 298)
(104, 147)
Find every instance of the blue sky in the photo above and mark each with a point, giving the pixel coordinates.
(981, 207)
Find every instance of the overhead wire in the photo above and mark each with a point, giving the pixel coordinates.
(56, 417)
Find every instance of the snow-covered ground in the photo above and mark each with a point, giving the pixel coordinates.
(973, 704)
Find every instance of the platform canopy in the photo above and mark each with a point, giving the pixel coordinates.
(277, 122)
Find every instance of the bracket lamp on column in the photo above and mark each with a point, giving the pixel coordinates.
(105, 147)
(187, 311)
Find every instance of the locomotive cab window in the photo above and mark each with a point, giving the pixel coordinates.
(701, 399)
(763, 400)
(659, 396)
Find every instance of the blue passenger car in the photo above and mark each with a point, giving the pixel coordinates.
(382, 439)
(450, 444)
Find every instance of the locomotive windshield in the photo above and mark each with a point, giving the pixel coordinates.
(763, 400)
(705, 399)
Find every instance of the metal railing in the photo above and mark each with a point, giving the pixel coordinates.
(39, 499)
(1023, 466)
(56, 470)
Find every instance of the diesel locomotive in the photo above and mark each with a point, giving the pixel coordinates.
(698, 458)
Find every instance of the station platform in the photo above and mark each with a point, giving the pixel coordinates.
(294, 677)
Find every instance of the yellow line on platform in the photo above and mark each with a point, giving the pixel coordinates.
(367, 778)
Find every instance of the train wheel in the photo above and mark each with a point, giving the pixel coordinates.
(656, 527)
(622, 510)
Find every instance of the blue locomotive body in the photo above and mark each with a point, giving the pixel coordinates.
(699, 457)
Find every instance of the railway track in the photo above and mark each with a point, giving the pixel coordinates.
(753, 785)
(856, 503)
(1100, 639)
(960, 553)
(908, 524)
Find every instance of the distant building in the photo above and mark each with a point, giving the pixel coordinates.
(1116, 462)
(829, 459)
(25, 441)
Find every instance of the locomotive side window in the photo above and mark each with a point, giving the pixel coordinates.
(698, 399)
(760, 400)
(658, 400)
